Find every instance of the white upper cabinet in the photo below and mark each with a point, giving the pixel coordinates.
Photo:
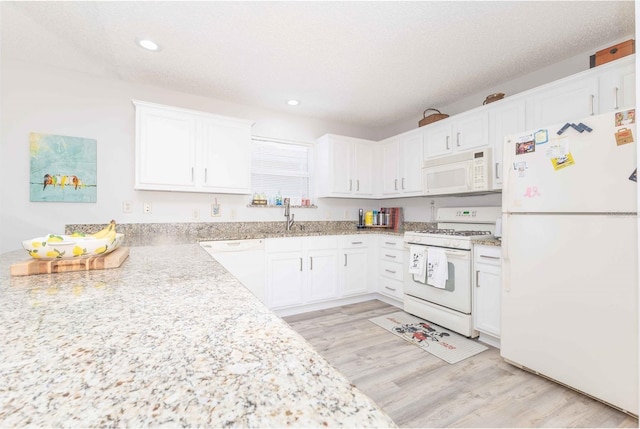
(617, 85)
(189, 151)
(459, 133)
(563, 100)
(505, 117)
(344, 166)
(402, 164)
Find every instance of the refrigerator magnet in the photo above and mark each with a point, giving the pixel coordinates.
(627, 117)
(558, 148)
(634, 175)
(525, 144)
(624, 136)
(541, 137)
(562, 161)
(520, 167)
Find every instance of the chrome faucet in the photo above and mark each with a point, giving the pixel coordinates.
(287, 214)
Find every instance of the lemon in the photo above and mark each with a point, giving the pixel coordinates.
(55, 253)
(78, 234)
(34, 254)
(79, 251)
(101, 249)
(54, 238)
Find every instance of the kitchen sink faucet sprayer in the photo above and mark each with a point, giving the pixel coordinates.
(287, 214)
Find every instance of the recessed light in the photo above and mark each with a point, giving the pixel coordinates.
(293, 102)
(148, 44)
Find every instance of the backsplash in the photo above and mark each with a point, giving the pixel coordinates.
(145, 234)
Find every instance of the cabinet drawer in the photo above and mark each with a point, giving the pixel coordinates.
(391, 255)
(391, 270)
(490, 255)
(354, 241)
(391, 242)
(392, 288)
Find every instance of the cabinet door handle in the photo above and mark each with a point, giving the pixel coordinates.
(311, 263)
(395, 184)
(356, 242)
(390, 256)
(477, 281)
(447, 142)
(592, 99)
(192, 176)
(300, 264)
(345, 259)
(390, 243)
(458, 139)
(389, 271)
(390, 288)
(615, 104)
(350, 184)
(403, 183)
(357, 184)
(205, 176)
(489, 257)
(497, 170)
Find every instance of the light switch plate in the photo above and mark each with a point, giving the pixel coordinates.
(215, 210)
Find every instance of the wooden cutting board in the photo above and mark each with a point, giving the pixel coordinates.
(33, 266)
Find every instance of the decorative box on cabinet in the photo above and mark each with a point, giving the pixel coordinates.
(344, 166)
(184, 150)
(459, 133)
(487, 290)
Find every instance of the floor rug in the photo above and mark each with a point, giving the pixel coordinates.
(446, 345)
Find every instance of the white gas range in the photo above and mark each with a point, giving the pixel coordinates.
(438, 286)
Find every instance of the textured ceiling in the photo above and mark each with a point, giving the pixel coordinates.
(368, 63)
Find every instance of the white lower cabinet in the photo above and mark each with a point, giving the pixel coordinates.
(391, 266)
(301, 270)
(354, 265)
(487, 292)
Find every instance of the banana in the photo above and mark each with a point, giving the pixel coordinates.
(104, 232)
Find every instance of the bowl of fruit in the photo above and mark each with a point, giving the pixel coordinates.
(76, 245)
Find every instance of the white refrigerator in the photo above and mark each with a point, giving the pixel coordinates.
(570, 255)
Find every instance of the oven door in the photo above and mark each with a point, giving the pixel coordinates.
(457, 292)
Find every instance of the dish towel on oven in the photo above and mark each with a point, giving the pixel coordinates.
(437, 267)
(417, 261)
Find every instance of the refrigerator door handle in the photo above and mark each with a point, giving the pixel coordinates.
(506, 260)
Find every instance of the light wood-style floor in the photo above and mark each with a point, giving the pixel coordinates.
(419, 390)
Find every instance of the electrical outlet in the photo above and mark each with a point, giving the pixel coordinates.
(346, 214)
(195, 214)
(215, 210)
(127, 207)
(146, 208)
(233, 213)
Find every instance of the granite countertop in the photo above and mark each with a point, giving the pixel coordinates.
(488, 241)
(169, 338)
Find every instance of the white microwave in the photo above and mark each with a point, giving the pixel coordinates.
(458, 174)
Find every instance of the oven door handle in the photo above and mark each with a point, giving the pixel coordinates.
(454, 252)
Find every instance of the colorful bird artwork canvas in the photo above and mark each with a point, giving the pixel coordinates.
(63, 168)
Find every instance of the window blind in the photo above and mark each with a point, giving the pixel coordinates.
(280, 168)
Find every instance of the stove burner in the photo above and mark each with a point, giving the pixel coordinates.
(465, 233)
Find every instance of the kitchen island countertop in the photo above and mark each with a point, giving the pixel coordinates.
(169, 338)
